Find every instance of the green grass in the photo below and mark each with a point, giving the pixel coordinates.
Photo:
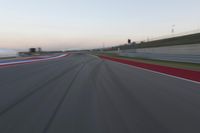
(183, 65)
(179, 40)
(7, 58)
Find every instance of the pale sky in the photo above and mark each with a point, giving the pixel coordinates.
(77, 24)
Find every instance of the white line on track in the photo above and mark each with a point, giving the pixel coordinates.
(94, 56)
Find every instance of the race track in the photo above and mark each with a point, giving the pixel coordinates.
(85, 94)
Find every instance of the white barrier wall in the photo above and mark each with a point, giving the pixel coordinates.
(190, 49)
(180, 53)
(8, 53)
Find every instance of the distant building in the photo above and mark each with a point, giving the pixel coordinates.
(129, 41)
(39, 50)
(32, 50)
(8, 53)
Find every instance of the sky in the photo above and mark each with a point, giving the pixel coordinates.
(85, 24)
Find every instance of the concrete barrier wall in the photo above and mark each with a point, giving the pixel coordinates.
(180, 53)
(8, 53)
(190, 49)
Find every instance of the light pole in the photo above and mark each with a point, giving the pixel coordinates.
(173, 29)
(103, 46)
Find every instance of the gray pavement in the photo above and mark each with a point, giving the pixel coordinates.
(84, 94)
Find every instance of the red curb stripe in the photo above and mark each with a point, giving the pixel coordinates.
(182, 73)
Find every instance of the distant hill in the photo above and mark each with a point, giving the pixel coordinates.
(180, 40)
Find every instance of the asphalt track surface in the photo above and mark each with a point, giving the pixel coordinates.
(84, 94)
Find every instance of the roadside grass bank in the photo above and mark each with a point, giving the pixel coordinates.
(7, 58)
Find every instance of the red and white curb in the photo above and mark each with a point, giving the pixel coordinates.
(188, 75)
(31, 61)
